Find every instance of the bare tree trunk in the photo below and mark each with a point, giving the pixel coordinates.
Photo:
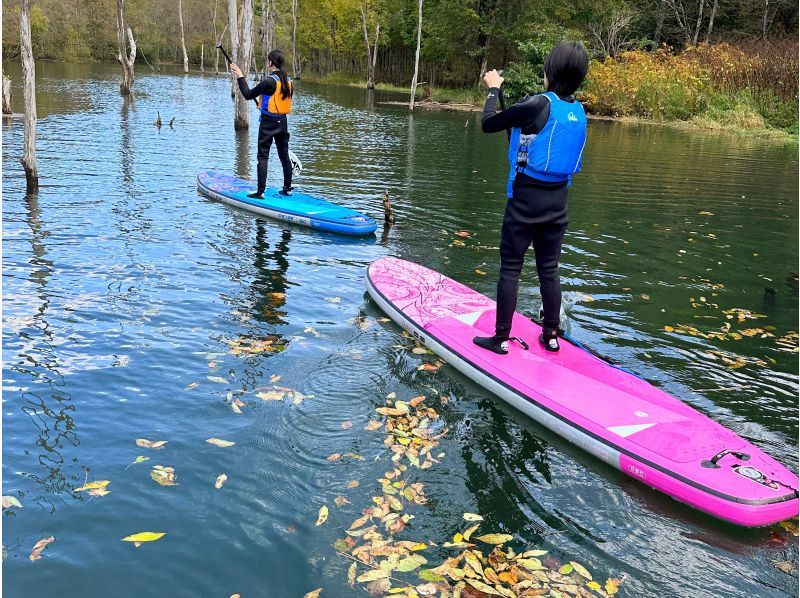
(370, 66)
(29, 83)
(661, 6)
(240, 120)
(699, 22)
(126, 51)
(768, 18)
(202, 58)
(6, 94)
(416, 60)
(711, 20)
(246, 60)
(267, 30)
(183, 38)
(375, 48)
(294, 39)
(216, 39)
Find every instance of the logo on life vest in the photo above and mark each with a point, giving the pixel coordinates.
(572, 118)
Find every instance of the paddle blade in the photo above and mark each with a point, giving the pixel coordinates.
(297, 166)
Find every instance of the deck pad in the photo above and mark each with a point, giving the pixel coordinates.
(300, 208)
(604, 409)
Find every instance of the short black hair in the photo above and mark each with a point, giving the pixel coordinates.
(565, 67)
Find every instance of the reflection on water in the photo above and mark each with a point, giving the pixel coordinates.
(126, 293)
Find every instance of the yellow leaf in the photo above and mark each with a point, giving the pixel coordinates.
(315, 593)
(669, 329)
(566, 569)
(323, 515)
(483, 587)
(373, 425)
(612, 585)
(220, 443)
(581, 570)
(143, 537)
(373, 575)
(220, 480)
(479, 271)
(271, 395)
(593, 585)
(351, 574)
(495, 538)
(334, 457)
(790, 527)
(470, 531)
(352, 484)
(93, 485)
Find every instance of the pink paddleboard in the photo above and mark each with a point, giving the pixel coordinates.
(619, 418)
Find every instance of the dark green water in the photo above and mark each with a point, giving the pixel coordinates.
(122, 287)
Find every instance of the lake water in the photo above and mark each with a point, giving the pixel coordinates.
(123, 290)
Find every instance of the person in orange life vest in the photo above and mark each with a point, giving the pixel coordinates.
(275, 102)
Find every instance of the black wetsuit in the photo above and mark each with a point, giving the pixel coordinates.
(535, 215)
(270, 127)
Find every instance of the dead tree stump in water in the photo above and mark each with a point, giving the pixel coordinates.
(7, 95)
(125, 56)
(388, 212)
(29, 85)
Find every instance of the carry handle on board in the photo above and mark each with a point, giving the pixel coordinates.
(297, 166)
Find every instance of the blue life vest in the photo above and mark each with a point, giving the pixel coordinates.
(275, 105)
(554, 154)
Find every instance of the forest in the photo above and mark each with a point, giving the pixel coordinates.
(691, 51)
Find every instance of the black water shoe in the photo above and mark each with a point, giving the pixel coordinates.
(286, 191)
(549, 339)
(256, 195)
(496, 344)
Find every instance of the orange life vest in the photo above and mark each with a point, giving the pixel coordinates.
(275, 104)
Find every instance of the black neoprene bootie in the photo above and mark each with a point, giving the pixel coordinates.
(496, 344)
(549, 339)
(256, 195)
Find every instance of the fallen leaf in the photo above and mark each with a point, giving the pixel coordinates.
(36, 553)
(373, 575)
(165, 476)
(141, 537)
(427, 589)
(429, 367)
(192, 385)
(333, 299)
(11, 501)
(217, 379)
(669, 329)
(346, 425)
(479, 271)
(334, 457)
(566, 569)
(274, 378)
(419, 351)
(352, 484)
(351, 574)
(472, 517)
(462, 233)
(391, 395)
(790, 527)
(495, 538)
(785, 566)
(99, 492)
(219, 442)
(271, 395)
(470, 531)
(581, 570)
(373, 425)
(315, 593)
(341, 501)
(410, 563)
(323, 515)
(483, 587)
(141, 459)
(612, 585)
(220, 480)
(153, 444)
(93, 485)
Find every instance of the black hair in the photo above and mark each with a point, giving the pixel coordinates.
(276, 58)
(565, 68)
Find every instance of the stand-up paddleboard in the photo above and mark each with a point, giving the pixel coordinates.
(299, 208)
(614, 415)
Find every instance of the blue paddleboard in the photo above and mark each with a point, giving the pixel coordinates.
(300, 208)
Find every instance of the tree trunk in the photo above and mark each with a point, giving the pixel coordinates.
(183, 38)
(216, 39)
(202, 58)
(29, 83)
(242, 55)
(267, 30)
(370, 66)
(6, 94)
(375, 49)
(661, 6)
(711, 20)
(126, 49)
(699, 22)
(416, 60)
(294, 39)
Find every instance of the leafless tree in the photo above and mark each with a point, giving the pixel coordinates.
(711, 20)
(372, 50)
(416, 59)
(7, 95)
(126, 45)
(267, 29)
(183, 37)
(29, 84)
(611, 37)
(295, 62)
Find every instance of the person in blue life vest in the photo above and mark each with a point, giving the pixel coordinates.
(275, 102)
(546, 143)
